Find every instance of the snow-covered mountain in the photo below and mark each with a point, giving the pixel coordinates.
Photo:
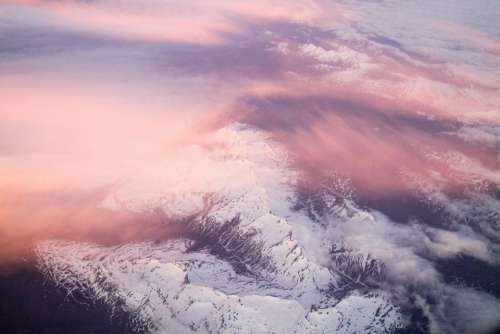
(244, 261)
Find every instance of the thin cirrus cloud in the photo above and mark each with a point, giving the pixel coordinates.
(375, 140)
(112, 84)
(187, 21)
(62, 149)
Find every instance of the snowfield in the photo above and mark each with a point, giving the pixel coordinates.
(266, 275)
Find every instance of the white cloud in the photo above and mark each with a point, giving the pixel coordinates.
(483, 135)
(341, 56)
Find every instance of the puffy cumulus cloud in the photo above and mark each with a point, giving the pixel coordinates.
(445, 244)
(408, 249)
(475, 213)
(410, 252)
(461, 309)
(343, 56)
(415, 251)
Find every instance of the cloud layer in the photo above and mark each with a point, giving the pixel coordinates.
(101, 100)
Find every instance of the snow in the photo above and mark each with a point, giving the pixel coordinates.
(172, 289)
(151, 279)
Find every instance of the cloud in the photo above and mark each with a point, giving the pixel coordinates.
(110, 102)
(409, 252)
(64, 146)
(483, 135)
(185, 21)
